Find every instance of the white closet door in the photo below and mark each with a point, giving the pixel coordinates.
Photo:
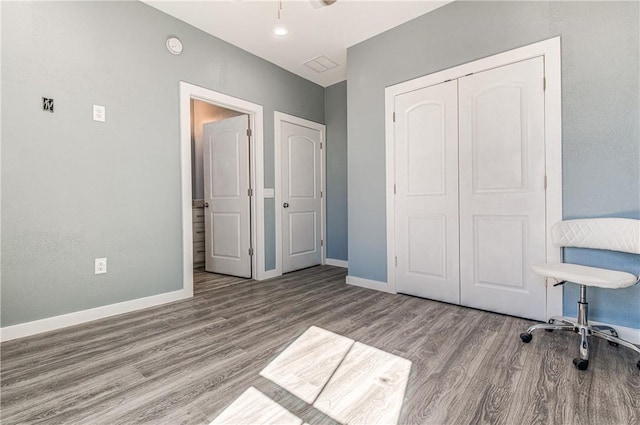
(301, 198)
(426, 203)
(226, 186)
(502, 193)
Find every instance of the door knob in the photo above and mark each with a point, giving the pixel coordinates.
(206, 205)
(286, 205)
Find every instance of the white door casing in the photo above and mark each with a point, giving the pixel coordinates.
(502, 189)
(301, 184)
(227, 196)
(426, 200)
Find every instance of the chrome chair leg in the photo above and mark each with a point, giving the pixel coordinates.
(582, 363)
(561, 319)
(605, 328)
(568, 326)
(614, 339)
(552, 327)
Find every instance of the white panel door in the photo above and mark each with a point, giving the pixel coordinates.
(226, 193)
(426, 202)
(502, 189)
(301, 202)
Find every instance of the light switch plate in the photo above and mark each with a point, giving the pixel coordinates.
(99, 113)
(269, 192)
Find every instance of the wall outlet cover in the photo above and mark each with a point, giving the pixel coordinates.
(100, 265)
(99, 113)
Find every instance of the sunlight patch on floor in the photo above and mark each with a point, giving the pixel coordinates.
(351, 382)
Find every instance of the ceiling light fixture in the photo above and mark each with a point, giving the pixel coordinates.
(280, 31)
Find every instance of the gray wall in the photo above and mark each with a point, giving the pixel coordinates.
(74, 189)
(335, 113)
(600, 96)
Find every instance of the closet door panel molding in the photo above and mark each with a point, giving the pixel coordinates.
(502, 193)
(426, 200)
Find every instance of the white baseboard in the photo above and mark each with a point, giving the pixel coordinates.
(370, 284)
(336, 263)
(52, 323)
(268, 274)
(628, 334)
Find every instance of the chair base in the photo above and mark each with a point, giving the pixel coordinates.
(582, 327)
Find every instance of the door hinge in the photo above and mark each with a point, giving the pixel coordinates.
(321, 242)
(394, 117)
(396, 261)
(249, 132)
(545, 182)
(544, 84)
(320, 145)
(249, 192)
(321, 194)
(394, 189)
(250, 252)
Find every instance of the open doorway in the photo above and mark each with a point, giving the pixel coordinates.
(230, 161)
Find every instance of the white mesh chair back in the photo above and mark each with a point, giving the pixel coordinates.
(613, 234)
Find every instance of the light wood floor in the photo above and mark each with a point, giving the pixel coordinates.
(184, 362)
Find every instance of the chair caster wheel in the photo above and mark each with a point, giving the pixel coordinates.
(525, 337)
(551, 322)
(581, 364)
(613, 344)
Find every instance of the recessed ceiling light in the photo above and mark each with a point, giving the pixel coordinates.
(280, 31)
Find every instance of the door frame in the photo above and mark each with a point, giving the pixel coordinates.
(550, 50)
(256, 168)
(279, 118)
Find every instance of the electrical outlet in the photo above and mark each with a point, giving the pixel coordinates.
(99, 113)
(101, 265)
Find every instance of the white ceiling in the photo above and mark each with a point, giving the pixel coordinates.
(314, 30)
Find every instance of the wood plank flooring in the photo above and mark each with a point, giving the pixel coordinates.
(185, 362)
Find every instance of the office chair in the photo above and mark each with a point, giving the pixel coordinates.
(613, 234)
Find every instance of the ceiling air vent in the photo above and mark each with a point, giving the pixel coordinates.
(321, 64)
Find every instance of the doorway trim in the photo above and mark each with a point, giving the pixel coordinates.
(280, 117)
(550, 50)
(256, 166)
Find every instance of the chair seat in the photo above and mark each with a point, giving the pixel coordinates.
(589, 276)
